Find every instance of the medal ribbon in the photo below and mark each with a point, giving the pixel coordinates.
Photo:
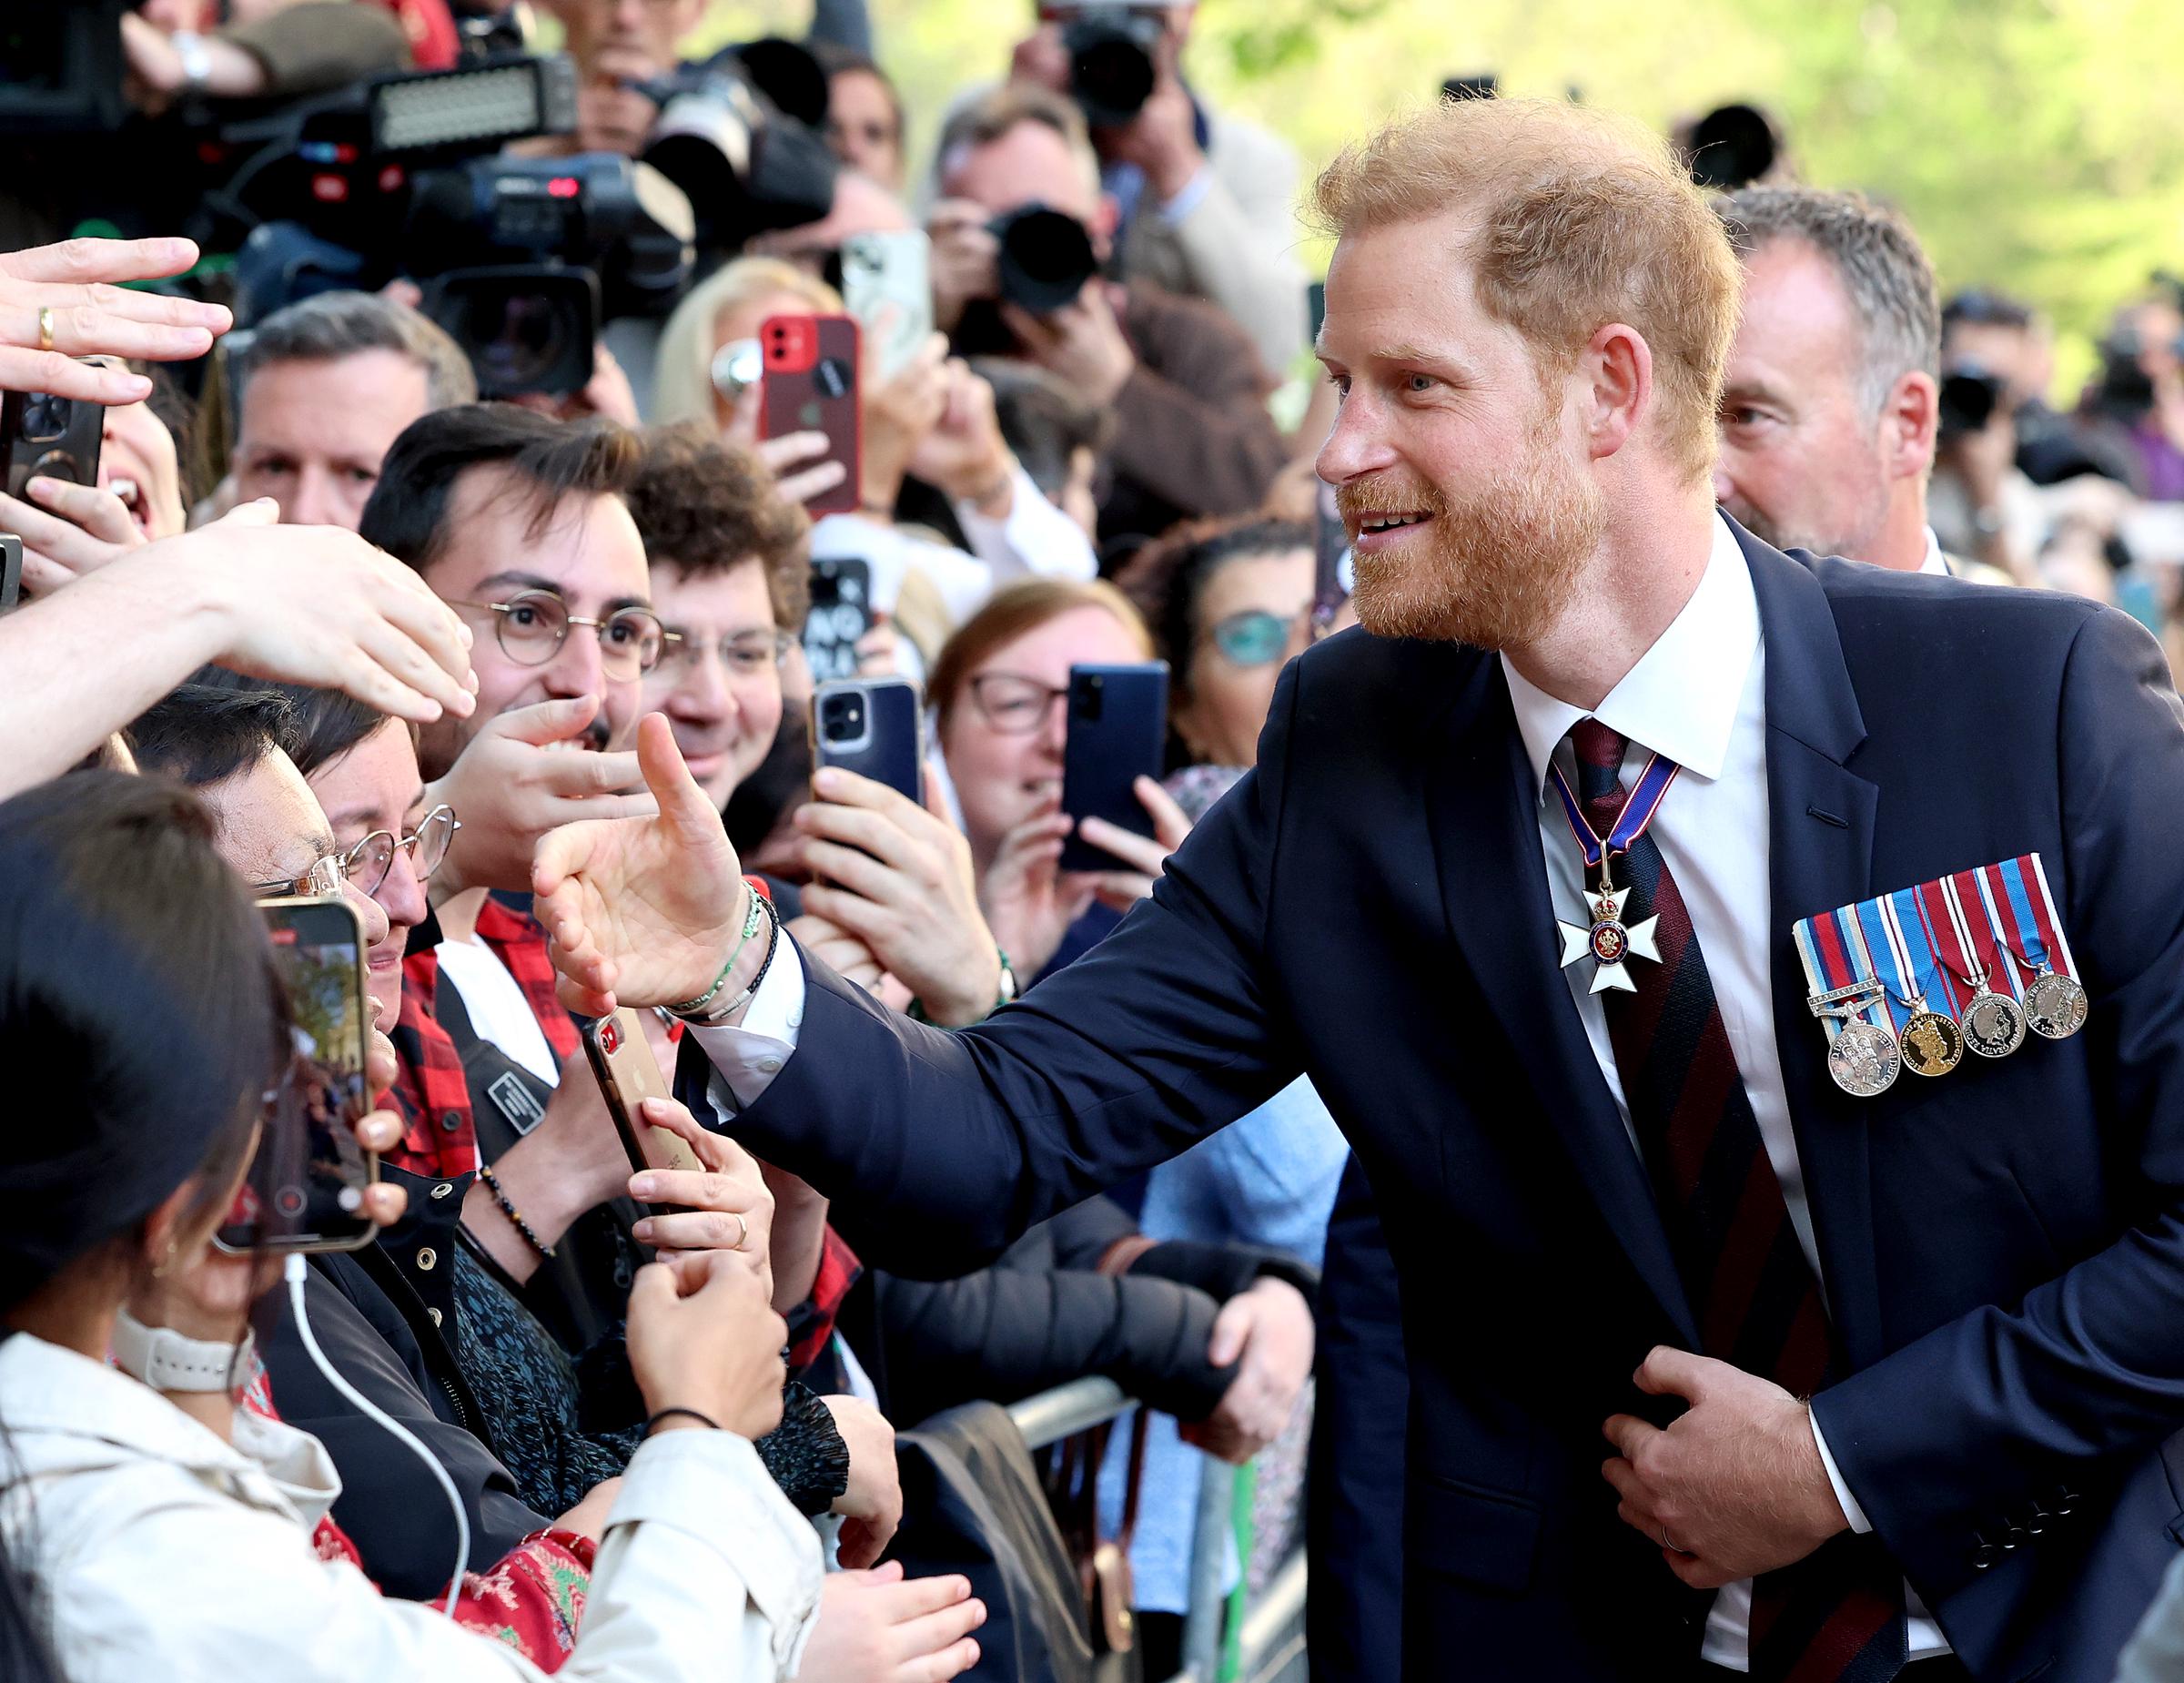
(1834, 954)
(2023, 893)
(1933, 967)
(1638, 810)
(1943, 921)
(1975, 921)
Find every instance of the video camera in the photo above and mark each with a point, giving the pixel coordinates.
(520, 259)
(739, 133)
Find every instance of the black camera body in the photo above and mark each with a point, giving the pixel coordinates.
(1113, 51)
(1967, 400)
(746, 167)
(61, 67)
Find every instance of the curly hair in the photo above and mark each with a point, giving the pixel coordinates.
(704, 507)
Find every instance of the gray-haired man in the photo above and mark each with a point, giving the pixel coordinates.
(322, 388)
(1830, 407)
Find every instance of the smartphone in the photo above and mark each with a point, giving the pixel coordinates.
(872, 727)
(11, 570)
(305, 1190)
(1331, 561)
(1118, 734)
(57, 437)
(891, 268)
(622, 1058)
(810, 385)
(839, 616)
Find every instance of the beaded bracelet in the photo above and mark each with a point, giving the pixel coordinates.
(690, 1008)
(720, 1014)
(1007, 991)
(493, 1185)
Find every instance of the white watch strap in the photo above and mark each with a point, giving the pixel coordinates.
(197, 63)
(165, 1360)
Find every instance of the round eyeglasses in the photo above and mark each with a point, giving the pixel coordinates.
(324, 880)
(531, 625)
(746, 653)
(370, 859)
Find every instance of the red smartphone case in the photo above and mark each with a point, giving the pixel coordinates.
(810, 385)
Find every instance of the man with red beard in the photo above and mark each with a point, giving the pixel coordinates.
(1717, 1366)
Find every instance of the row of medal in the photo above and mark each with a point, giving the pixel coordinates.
(1912, 980)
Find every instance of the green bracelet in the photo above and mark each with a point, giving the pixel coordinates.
(689, 1008)
(916, 1013)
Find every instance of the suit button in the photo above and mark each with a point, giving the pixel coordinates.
(450, 1120)
(1985, 1556)
(435, 1315)
(2063, 1499)
(2013, 1536)
(2035, 1521)
(426, 1258)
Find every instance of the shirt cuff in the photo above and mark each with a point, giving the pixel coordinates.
(1034, 538)
(1191, 196)
(1851, 1510)
(746, 1057)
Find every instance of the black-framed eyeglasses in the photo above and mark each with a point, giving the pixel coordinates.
(1255, 637)
(324, 880)
(370, 859)
(531, 625)
(1011, 702)
(746, 653)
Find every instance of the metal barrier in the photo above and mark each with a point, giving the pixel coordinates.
(1271, 1647)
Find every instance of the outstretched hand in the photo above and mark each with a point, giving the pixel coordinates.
(643, 910)
(61, 302)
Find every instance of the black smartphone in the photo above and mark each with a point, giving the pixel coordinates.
(11, 570)
(57, 437)
(1331, 561)
(305, 1190)
(871, 727)
(1118, 733)
(839, 616)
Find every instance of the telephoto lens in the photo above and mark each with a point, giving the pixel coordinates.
(1111, 69)
(1046, 257)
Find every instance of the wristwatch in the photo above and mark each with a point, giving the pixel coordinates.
(165, 1360)
(197, 63)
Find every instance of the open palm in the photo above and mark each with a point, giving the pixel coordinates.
(642, 911)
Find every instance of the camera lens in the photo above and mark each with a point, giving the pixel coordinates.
(1111, 72)
(1046, 257)
(842, 717)
(46, 417)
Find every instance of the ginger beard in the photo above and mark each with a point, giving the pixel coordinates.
(1494, 571)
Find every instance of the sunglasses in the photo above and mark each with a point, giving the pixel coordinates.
(1255, 638)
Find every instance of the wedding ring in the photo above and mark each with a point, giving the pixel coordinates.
(44, 327)
(742, 1232)
(1668, 1543)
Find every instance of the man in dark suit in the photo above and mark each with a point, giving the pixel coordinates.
(1636, 1228)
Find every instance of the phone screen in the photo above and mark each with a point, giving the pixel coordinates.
(305, 1190)
(839, 616)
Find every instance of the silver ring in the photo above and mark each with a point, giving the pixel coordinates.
(1669, 1543)
(742, 1230)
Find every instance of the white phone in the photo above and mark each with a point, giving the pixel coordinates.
(890, 269)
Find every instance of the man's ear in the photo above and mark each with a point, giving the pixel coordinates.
(1617, 367)
(1910, 424)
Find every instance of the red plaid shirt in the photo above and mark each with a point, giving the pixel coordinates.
(433, 1098)
(519, 941)
(811, 1322)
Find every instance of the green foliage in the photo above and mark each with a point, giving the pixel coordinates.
(2036, 144)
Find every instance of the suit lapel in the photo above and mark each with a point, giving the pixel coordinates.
(1483, 810)
(1820, 822)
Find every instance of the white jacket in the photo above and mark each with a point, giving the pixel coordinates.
(154, 1550)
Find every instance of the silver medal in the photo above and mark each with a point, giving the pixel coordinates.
(1994, 1024)
(2055, 1005)
(1863, 1060)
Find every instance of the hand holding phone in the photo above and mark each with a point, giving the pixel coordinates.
(306, 1187)
(621, 1058)
(810, 385)
(1118, 733)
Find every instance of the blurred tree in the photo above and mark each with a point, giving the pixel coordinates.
(2036, 144)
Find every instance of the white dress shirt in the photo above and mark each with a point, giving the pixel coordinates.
(1699, 696)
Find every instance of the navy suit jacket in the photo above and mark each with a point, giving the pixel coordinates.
(2003, 1248)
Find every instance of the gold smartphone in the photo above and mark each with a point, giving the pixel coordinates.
(622, 1058)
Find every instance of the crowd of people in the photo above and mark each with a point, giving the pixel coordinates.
(325, 624)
